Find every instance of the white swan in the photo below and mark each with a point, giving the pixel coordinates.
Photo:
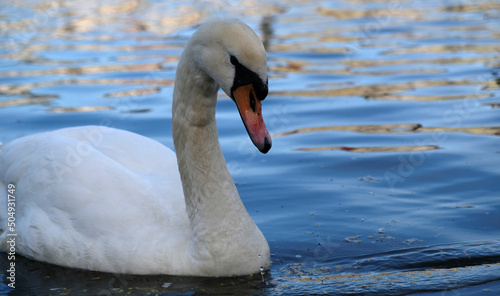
(109, 200)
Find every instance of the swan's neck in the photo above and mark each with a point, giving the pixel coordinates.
(217, 214)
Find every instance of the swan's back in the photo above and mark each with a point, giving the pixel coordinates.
(86, 191)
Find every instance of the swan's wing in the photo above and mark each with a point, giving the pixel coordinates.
(89, 194)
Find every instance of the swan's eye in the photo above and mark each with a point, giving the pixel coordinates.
(234, 60)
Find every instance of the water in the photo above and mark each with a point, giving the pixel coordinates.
(383, 176)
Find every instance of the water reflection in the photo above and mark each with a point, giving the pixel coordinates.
(134, 92)
(79, 109)
(372, 78)
(421, 61)
(394, 129)
(19, 89)
(84, 70)
(27, 101)
(370, 13)
(383, 128)
(386, 129)
(428, 49)
(372, 149)
(388, 91)
(389, 283)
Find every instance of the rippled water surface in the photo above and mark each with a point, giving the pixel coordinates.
(384, 174)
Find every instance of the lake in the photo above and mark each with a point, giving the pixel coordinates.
(384, 175)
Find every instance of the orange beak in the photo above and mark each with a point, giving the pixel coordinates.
(250, 108)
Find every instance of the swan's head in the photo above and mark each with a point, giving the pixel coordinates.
(234, 57)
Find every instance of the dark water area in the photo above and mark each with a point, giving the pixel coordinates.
(384, 176)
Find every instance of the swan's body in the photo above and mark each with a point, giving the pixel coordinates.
(109, 200)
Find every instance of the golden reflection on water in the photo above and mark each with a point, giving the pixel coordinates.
(79, 109)
(388, 91)
(422, 61)
(392, 280)
(133, 92)
(87, 24)
(84, 70)
(27, 101)
(344, 279)
(471, 7)
(343, 14)
(19, 89)
(395, 129)
(379, 129)
(372, 149)
(431, 49)
(387, 129)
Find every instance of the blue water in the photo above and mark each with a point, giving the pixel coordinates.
(384, 174)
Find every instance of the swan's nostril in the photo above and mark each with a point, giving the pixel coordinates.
(252, 101)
